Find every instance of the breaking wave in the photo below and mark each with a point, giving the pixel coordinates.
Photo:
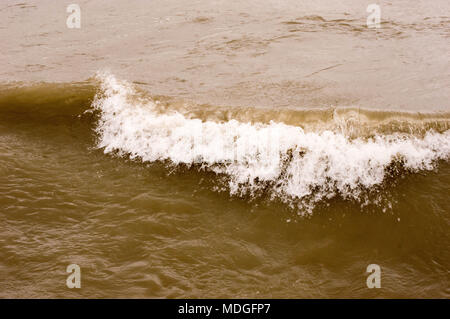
(298, 164)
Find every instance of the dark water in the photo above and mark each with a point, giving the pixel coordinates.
(221, 149)
(154, 230)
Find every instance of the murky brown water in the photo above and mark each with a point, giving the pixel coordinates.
(224, 149)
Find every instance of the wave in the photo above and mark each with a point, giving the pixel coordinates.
(66, 101)
(257, 151)
(45, 102)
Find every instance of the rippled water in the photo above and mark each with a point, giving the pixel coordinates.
(224, 149)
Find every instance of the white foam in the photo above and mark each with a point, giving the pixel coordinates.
(297, 164)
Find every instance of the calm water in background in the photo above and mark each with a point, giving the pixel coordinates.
(166, 224)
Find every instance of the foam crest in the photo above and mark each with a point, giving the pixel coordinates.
(291, 164)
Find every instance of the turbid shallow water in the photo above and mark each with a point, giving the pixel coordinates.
(222, 149)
